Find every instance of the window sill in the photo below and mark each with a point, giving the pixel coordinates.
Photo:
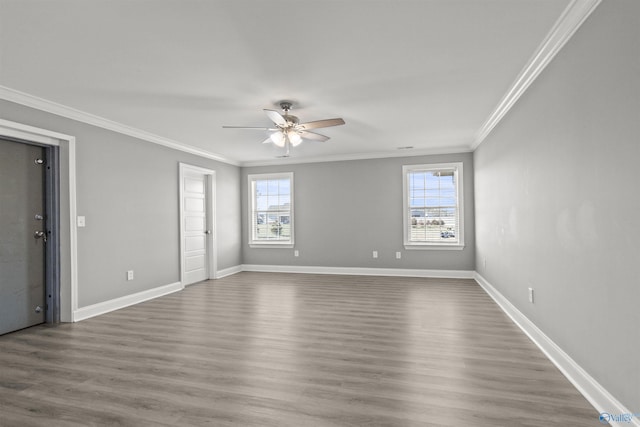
(434, 246)
(266, 245)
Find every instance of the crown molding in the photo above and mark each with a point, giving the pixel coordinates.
(571, 19)
(45, 105)
(28, 100)
(358, 156)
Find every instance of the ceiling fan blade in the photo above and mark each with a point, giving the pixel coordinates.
(313, 136)
(320, 124)
(249, 127)
(276, 117)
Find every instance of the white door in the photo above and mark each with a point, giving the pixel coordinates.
(196, 224)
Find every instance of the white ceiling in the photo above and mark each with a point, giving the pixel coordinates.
(423, 73)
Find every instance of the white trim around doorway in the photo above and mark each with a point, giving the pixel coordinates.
(68, 210)
(212, 246)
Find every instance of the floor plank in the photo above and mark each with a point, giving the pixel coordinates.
(272, 349)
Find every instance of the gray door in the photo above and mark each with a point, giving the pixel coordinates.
(22, 236)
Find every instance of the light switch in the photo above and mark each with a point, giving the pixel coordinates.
(81, 221)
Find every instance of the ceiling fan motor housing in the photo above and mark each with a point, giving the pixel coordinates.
(286, 106)
(291, 120)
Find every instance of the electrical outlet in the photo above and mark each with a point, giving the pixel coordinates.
(398, 255)
(130, 275)
(531, 295)
(296, 253)
(375, 254)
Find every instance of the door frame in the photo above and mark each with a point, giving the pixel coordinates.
(52, 247)
(212, 246)
(62, 278)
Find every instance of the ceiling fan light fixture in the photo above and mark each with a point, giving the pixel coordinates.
(278, 139)
(294, 138)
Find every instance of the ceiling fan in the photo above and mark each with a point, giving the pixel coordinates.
(288, 131)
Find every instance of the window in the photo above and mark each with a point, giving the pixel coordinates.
(433, 214)
(271, 209)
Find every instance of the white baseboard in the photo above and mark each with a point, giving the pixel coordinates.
(598, 396)
(359, 271)
(125, 301)
(228, 271)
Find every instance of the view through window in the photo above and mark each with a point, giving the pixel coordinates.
(271, 208)
(432, 204)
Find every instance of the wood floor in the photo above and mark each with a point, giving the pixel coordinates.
(258, 349)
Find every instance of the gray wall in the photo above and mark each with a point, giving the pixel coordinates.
(345, 210)
(557, 202)
(128, 190)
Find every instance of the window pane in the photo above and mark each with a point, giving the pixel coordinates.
(261, 187)
(271, 218)
(285, 186)
(433, 206)
(262, 202)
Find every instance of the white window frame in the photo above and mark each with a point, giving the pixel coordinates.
(406, 209)
(263, 243)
